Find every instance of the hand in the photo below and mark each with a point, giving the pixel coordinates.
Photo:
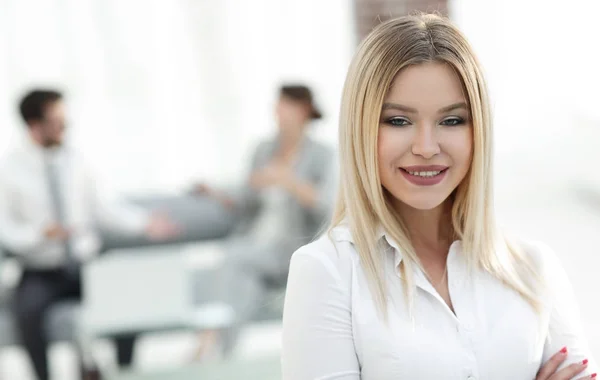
(206, 190)
(548, 370)
(56, 232)
(272, 174)
(202, 189)
(161, 227)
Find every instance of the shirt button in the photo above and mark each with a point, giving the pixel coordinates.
(471, 378)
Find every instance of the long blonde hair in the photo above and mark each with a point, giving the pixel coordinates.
(363, 204)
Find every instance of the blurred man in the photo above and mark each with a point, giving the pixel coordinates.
(49, 213)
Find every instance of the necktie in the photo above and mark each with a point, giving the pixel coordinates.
(58, 205)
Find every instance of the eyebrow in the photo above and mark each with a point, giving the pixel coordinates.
(453, 107)
(400, 107)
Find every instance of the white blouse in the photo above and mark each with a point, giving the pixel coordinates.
(331, 329)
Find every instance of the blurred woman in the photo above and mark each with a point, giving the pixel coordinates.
(286, 199)
(414, 280)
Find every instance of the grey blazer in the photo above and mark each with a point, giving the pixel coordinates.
(314, 164)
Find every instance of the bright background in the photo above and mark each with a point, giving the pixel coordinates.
(162, 93)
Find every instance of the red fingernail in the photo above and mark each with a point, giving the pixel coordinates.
(563, 350)
(593, 375)
(584, 362)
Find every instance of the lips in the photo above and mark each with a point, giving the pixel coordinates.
(424, 175)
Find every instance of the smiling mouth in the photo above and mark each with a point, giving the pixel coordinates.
(424, 173)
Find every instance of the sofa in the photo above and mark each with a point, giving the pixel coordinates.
(201, 218)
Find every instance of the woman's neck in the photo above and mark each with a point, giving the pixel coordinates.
(289, 142)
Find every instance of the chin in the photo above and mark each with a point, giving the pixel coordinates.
(421, 201)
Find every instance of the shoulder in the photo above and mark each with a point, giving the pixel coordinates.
(546, 265)
(330, 253)
(264, 145)
(319, 148)
(77, 160)
(12, 163)
(74, 153)
(542, 256)
(9, 159)
(263, 151)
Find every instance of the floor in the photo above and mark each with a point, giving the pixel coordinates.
(159, 354)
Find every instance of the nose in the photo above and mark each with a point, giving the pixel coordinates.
(425, 143)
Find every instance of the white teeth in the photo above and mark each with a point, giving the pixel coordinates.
(425, 174)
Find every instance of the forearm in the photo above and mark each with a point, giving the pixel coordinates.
(19, 238)
(225, 199)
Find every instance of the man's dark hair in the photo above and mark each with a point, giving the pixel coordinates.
(33, 105)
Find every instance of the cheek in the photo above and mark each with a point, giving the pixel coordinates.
(392, 144)
(384, 157)
(280, 112)
(381, 151)
(298, 114)
(291, 113)
(57, 130)
(460, 149)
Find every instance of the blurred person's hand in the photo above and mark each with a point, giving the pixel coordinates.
(161, 227)
(56, 231)
(273, 174)
(549, 369)
(206, 190)
(202, 189)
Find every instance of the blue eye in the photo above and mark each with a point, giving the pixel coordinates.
(453, 121)
(398, 122)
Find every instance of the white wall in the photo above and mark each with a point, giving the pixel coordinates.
(541, 60)
(162, 92)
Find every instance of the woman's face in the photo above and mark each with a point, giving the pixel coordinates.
(292, 115)
(425, 139)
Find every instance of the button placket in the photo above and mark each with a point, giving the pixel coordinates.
(470, 372)
(462, 299)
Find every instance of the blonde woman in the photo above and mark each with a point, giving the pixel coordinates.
(413, 280)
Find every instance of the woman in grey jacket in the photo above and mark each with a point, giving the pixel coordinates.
(285, 201)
